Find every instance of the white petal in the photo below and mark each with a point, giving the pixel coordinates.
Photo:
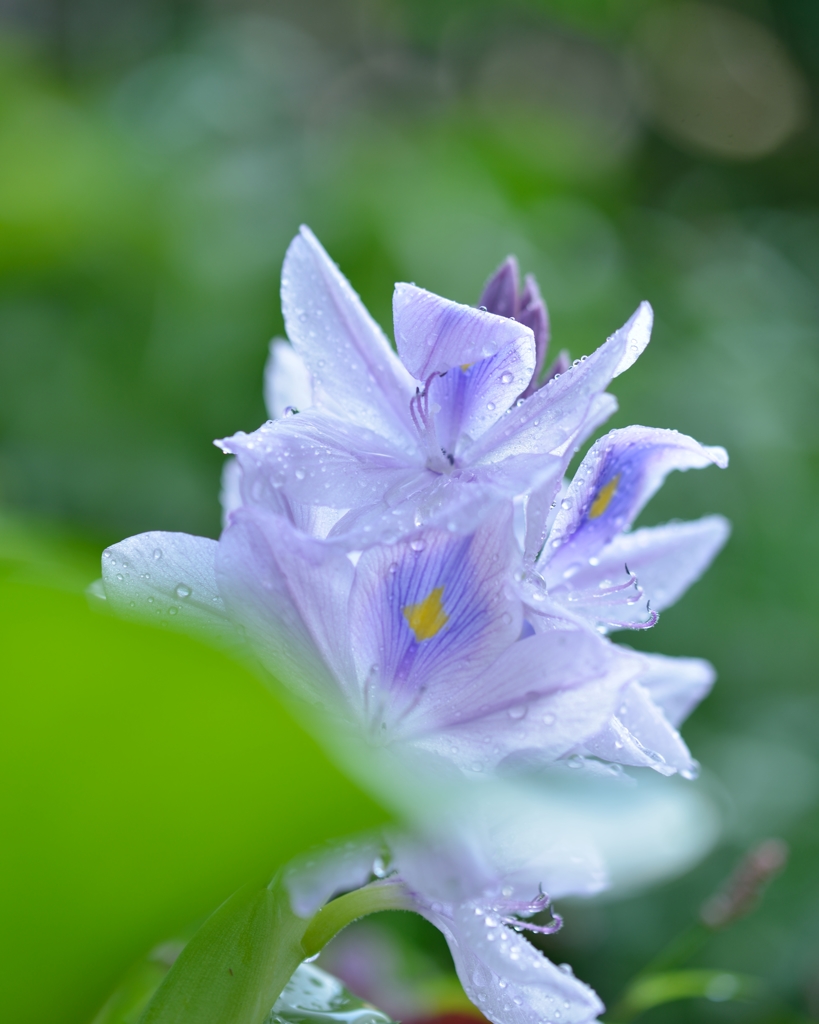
(435, 334)
(667, 559)
(169, 579)
(637, 333)
(287, 380)
(640, 735)
(677, 685)
(354, 370)
(288, 594)
(317, 876)
(509, 980)
(230, 491)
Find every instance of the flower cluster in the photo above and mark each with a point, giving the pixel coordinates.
(402, 549)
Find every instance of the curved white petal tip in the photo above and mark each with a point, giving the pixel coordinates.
(637, 331)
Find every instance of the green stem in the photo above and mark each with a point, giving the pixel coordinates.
(343, 910)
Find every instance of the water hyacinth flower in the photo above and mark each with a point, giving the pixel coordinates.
(427, 436)
(400, 548)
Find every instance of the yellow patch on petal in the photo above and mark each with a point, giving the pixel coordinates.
(427, 618)
(604, 496)
(466, 366)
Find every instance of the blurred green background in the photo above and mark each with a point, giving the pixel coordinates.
(156, 156)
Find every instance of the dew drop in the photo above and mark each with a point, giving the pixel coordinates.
(183, 590)
(299, 474)
(157, 553)
(120, 576)
(506, 378)
(549, 719)
(517, 712)
(566, 503)
(417, 545)
(172, 610)
(490, 406)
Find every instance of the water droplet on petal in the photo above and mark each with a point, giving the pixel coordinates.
(157, 553)
(506, 378)
(517, 712)
(183, 590)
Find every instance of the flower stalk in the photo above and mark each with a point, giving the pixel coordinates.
(338, 913)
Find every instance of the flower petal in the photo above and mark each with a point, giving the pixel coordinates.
(354, 370)
(550, 419)
(663, 562)
(287, 382)
(288, 594)
(637, 331)
(433, 334)
(469, 400)
(677, 685)
(500, 293)
(546, 696)
(230, 490)
(509, 980)
(617, 477)
(502, 296)
(168, 579)
(533, 313)
(318, 459)
(640, 735)
(426, 616)
(541, 507)
(320, 874)
(457, 503)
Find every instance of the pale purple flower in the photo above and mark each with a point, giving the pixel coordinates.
(428, 436)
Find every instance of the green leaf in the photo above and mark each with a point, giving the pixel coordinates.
(145, 778)
(233, 969)
(128, 1001)
(313, 996)
(656, 989)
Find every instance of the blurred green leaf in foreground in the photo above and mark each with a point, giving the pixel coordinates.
(145, 777)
